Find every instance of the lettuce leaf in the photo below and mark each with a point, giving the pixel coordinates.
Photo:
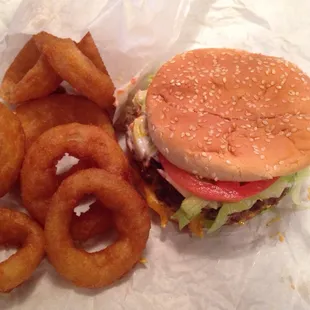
(299, 189)
(149, 79)
(192, 205)
(139, 99)
(190, 208)
(275, 190)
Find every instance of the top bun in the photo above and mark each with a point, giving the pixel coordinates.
(231, 115)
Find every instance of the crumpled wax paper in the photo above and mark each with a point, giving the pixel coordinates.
(262, 265)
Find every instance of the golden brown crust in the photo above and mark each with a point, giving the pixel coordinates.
(39, 115)
(132, 222)
(12, 148)
(38, 175)
(29, 76)
(88, 47)
(231, 115)
(17, 228)
(76, 68)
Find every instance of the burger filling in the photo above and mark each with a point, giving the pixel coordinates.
(190, 198)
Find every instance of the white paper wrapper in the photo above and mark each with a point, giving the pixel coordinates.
(260, 265)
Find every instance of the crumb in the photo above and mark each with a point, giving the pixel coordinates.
(281, 237)
(143, 261)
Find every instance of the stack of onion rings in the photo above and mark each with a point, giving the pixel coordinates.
(47, 125)
(38, 175)
(31, 76)
(18, 229)
(39, 115)
(76, 68)
(12, 142)
(132, 221)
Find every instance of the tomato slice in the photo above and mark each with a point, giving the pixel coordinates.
(215, 191)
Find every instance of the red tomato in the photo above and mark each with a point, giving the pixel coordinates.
(216, 191)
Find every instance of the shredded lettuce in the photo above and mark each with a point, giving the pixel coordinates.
(190, 208)
(208, 223)
(275, 190)
(149, 79)
(300, 196)
(139, 99)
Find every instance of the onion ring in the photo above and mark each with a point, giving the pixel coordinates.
(12, 142)
(29, 76)
(76, 68)
(38, 178)
(92, 223)
(88, 47)
(17, 228)
(132, 221)
(39, 115)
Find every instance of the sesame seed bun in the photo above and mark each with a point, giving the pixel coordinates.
(231, 115)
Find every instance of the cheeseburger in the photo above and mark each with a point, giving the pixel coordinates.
(221, 134)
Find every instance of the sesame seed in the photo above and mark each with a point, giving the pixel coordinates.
(228, 162)
(281, 162)
(204, 154)
(262, 157)
(308, 128)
